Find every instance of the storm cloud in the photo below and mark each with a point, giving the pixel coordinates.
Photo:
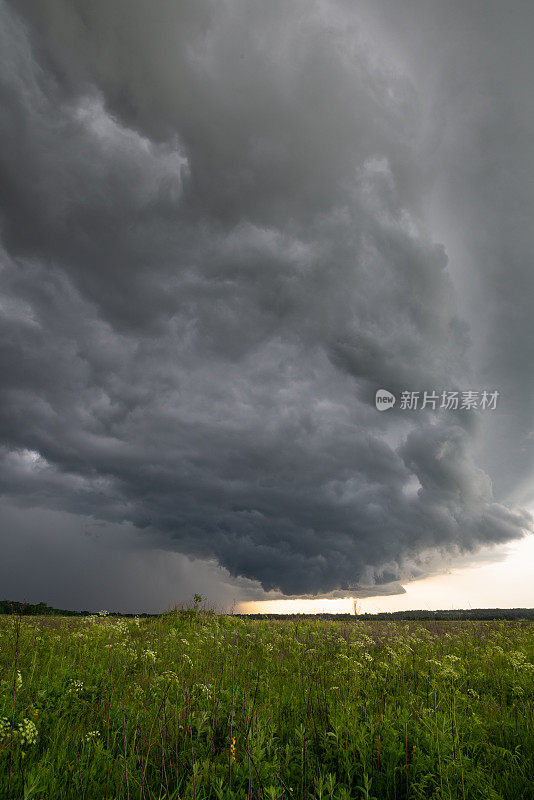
(219, 232)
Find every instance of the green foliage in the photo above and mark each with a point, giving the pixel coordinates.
(43, 609)
(195, 705)
(37, 609)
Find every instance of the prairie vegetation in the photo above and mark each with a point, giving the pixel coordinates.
(194, 705)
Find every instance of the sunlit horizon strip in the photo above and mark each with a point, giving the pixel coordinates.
(501, 584)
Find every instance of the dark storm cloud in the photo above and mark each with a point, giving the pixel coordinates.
(212, 254)
(473, 64)
(72, 562)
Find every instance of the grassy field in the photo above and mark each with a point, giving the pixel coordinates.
(195, 705)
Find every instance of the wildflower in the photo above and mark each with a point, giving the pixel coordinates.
(18, 681)
(232, 749)
(448, 672)
(27, 731)
(169, 675)
(75, 687)
(149, 655)
(5, 727)
(92, 736)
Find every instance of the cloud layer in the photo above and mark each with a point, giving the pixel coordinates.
(214, 251)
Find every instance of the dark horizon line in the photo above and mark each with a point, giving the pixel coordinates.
(10, 607)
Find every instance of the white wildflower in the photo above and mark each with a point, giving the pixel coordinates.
(5, 727)
(169, 675)
(449, 672)
(149, 655)
(27, 731)
(516, 658)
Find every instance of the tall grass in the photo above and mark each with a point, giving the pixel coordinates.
(195, 705)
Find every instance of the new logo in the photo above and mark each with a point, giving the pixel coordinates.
(384, 400)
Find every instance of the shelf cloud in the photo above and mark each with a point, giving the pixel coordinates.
(224, 227)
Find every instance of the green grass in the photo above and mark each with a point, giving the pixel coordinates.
(195, 705)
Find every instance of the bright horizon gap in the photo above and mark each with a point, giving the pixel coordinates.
(498, 584)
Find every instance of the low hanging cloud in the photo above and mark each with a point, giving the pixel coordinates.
(212, 255)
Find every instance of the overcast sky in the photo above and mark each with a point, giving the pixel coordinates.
(224, 225)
